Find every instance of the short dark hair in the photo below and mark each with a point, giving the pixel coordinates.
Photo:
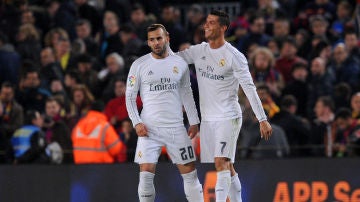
(7, 84)
(30, 115)
(327, 101)
(121, 79)
(154, 27)
(98, 105)
(288, 101)
(289, 40)
(255, 16)
(54, 99)
(350, 31)
(29, 67)
(342, 90)
(343, 113)
(82, 21)
(74, 75)
(84, 58)
(299, 65)
(224, 18)
(282, 19)
(127, 29)
(262, 86)
(138, 6)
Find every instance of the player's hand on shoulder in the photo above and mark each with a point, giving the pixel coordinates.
(193, 131)
(141, 130)
(265, 130)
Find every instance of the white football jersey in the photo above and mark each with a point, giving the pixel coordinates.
(219, 73)
(165, 87)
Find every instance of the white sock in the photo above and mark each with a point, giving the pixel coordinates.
(222, 185)
(146, 189)
(192, 187)
(235, 189)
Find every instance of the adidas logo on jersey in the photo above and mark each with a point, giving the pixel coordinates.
(150, 73)
(203, 57)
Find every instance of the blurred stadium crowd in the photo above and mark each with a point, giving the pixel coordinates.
(60, 59)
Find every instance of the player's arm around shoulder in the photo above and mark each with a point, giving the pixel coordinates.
(190, 54)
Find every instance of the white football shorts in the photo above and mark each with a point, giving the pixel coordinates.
(219, 139)
(175, 139)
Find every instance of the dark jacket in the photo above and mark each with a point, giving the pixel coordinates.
(13, 120)
(296, 131)
(10, 63)
(59, 132)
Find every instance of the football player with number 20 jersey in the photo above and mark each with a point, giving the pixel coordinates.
(164, 84)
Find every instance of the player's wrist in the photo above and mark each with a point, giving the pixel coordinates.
(137, 124)
(262, 119)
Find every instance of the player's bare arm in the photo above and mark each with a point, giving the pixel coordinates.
(193, 130)
(265, 130)
(141, 130)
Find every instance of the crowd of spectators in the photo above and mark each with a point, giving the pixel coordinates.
(59, 57)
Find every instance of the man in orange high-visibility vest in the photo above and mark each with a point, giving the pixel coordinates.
(94, 139)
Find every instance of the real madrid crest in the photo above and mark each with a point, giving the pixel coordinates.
(222, 62)
(175, 70)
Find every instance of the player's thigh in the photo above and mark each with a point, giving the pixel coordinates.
(227, 133)
(207, 141)
(179, 145)
(217, 138)
(148, 150)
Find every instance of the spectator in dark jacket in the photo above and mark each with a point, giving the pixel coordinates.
(256, 33)
(50, 68)
(321, 83)
(139, 21)
(109, 39)
(87, 11)
(56, 130)
(83, 32)
(254, 147)
(87, 74)
(345, 68)
(30, 95)
(351, 41)
(299, 87)
(28, 43)
(175, 29)
(65, 17)
(295, 128)
(321, 126)
(10, 61)
(12, 117)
